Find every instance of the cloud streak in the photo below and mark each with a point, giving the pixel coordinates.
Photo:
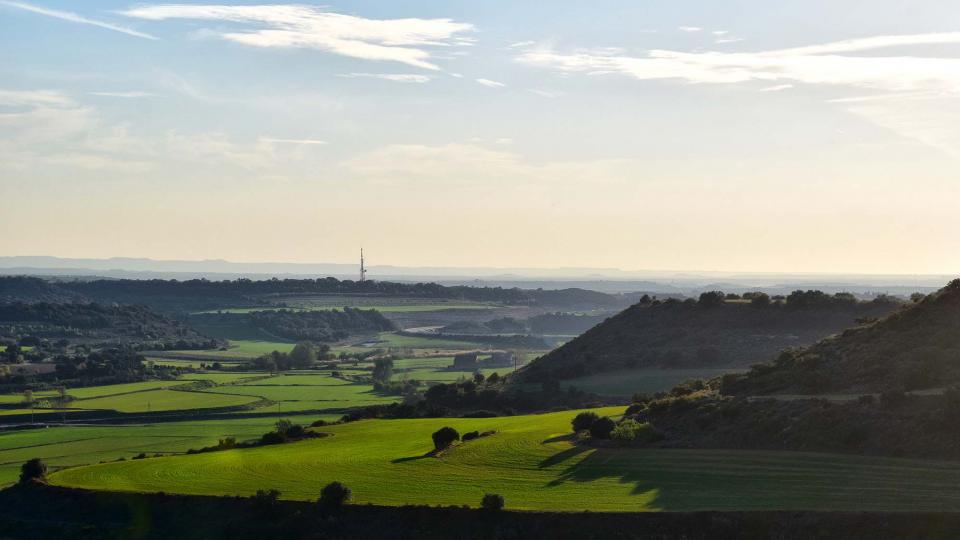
(308, 27)
(73, 17)
(819, 64)
(917, 93)
(491, 84)
(394, 77)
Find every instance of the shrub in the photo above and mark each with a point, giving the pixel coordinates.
(492, 501)
(334, 495)
(272, 438)
(34, 470)
(265, 500)
(444, 437)
(584, 421)
(630, 431)
(469, 436)
(602, 428)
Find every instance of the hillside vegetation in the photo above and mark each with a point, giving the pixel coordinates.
(201, 295)
(328, 325)
(706, 333)
(914, 348)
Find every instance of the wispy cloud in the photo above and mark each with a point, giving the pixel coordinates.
(274, 140)
(935, 78)
(73, 17)
(300, 26)
(395, 77)
(820, 64)
(689, 28)
(126, 95)
(776, 88)
(491, 84)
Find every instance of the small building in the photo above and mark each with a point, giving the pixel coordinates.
(500, 359)
(465, 361)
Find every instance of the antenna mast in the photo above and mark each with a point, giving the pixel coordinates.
(363, 269)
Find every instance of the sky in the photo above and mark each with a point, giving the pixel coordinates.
(729, 135)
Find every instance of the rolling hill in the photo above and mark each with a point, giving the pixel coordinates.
(914, 348)
(674, 334)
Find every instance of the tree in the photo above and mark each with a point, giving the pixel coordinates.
(602, 428)
(492, 501)
(584, 421)
(712, 299)
(444, 437)
(382, 370)
(760, 300)
(334, 495)
(34, 470)
(302, 355)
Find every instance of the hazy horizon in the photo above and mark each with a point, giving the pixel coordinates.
(788, 137)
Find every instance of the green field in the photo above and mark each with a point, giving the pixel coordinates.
(78, 445)
(163, 400)
(628, 382)
(531, 461)
(239, 349)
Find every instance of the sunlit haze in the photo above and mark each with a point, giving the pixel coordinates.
(813, 136)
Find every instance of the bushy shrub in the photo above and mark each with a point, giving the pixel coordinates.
(444, 437)
(34, 470)
(602, 428)
(492, 501)
(334, 495)
(469, 436)
(272, 438)
(630, 431)
(584, 421)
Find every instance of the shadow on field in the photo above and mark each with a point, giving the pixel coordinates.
(560, 457)
(411, 458)
(600, 463)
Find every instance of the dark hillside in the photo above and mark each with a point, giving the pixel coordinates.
(708, 333)
(329, 325)
(92, 323)
(201, 295)
(913, 348)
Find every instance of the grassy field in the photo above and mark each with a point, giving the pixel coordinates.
(78, 445)
(628, 382)
(239, 349)
(306, 392)
(531, 461)
(163, 400)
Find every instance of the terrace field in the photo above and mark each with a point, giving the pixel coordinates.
(531, 461)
